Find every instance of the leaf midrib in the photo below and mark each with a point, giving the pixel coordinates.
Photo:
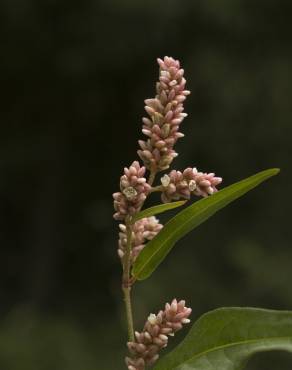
(249, 341)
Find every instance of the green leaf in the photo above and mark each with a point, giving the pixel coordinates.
(189, 218)
(155, 210)
(225, 339)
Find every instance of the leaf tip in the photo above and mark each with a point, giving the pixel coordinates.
(275, 171)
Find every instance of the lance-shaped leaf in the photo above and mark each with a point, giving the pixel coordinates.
(189, 218)
(226, 338)
(155, 210)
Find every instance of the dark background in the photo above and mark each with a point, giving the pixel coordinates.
(73, 79)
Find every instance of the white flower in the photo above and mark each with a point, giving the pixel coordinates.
(152, 319)
(130, 192)
(192, 185)
(165, 180)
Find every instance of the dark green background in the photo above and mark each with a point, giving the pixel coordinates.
(73, 79)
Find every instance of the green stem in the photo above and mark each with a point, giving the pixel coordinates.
(127, 282)
(129, 314)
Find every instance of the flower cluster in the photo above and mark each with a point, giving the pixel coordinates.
(134, 190)
(178, 184)
(165, 113)
(154, 337)
(142, 231)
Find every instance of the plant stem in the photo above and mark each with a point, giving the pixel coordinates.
(156, 188)
(128, 305)
(127, 282)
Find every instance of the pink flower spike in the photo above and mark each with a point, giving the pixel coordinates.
(134, 190)
(177, 185)
(154, 336)
(142, 231)
(164, 110)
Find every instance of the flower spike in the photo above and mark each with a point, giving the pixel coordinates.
(165, 113)
(134, 190)
(177, 185)
(154, 337)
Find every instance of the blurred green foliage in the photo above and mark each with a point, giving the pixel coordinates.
(73, 79)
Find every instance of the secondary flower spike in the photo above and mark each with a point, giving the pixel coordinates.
(177, 185)
(154, 337)
(142, 231)
(134, 190)
(165, 113)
